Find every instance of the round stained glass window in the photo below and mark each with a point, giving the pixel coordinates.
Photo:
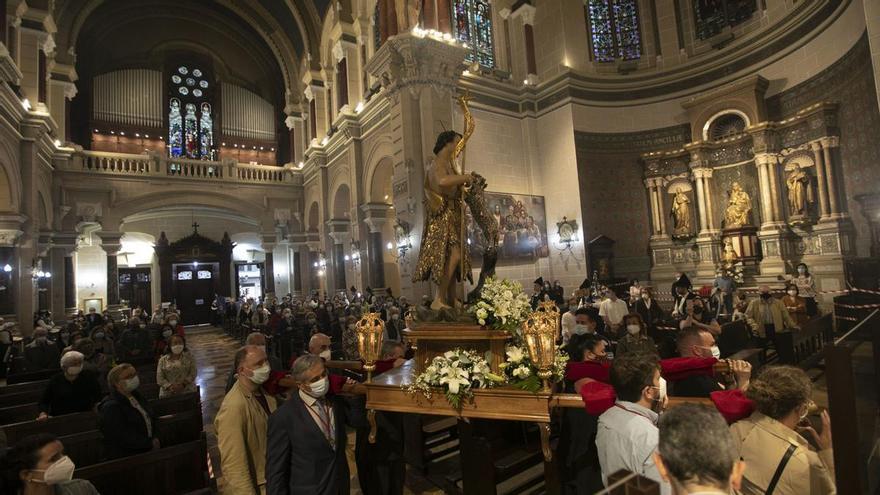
(175, 79)
(203, 84)
(197, 73)
(190, 81)
(183, 70)
(183, 91)
(197, 93)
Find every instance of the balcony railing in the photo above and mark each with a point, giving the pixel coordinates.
(153, 165)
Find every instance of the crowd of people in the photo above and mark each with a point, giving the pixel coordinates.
(283, 425)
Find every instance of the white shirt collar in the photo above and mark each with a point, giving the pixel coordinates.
(308, 399)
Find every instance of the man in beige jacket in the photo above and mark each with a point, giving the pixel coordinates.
(241, 425)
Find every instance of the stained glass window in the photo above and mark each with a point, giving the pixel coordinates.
(614, 30)
(175, 129)
(712, 16)
(472, 23)
(190, 116)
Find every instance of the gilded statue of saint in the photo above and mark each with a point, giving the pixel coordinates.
(441, 250)
(799, 192)
(681, 214)
(738, 207)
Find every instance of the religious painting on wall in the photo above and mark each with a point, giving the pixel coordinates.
(522, 228)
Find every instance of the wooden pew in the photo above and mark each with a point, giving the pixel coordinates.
(9, 400)
(31, 376)
(85, 448)
(177, 403)
(428, 438)
(23, 387)
(167, 471)
(59, 426)
(182, 427)
(19, 413)
(804, 347)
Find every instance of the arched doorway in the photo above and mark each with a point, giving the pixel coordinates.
(193, 270)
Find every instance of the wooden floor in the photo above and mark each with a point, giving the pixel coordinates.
(214, 352)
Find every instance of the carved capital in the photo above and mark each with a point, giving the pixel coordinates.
(376, 215)
(766, 159)
(830, 141)
(702, 173)
(526, 12)
(410, 61)
(9, 237)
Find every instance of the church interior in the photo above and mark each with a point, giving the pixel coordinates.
(408, 185)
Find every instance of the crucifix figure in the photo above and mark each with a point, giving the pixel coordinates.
(195, 227)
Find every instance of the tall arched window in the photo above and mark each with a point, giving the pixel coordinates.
(614, 29)
(190, 117)
(473, 25)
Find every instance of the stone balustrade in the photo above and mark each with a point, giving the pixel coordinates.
(153, 165)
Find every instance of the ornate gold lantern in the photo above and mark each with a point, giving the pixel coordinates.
(539, 333)
(369, 330)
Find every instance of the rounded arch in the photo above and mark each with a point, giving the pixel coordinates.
(194, 197)
(342, 202)
(742, 120)
(380, 184)
(72, 17)
(700, 125)
(314, 218)
(379, 151)
(10, 178)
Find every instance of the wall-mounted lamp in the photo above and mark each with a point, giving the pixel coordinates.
(355, 256)
(7, 268)
(567, 230)
(321, 264)
(403, 243)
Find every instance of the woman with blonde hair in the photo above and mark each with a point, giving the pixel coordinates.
(779, 460)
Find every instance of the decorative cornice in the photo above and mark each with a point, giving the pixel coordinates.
(408, 61)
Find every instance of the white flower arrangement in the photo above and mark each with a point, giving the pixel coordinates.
(502, 305)
(521, 373)
(458, 372)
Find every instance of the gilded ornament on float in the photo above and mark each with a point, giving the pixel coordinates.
(539, 334)
(729, 257)
(738, 208)
(369, 330)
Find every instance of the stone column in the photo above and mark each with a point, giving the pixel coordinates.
(376, 216)
(872, 23)
(833, 193)
(421, 76)
(661, 206)
(64, 285)
(775, 193)
(761, 162)
(655, 206)
(710, 207)
(339, 231)
(701, 201)
(110, 243)
(268, 244)
(822, 184)
(526, 12)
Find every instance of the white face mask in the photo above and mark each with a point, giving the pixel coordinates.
(263, 348)
(633, 329)
(176, 349)
(792, 293)
(132, 384)
(74, 370)
(142, 326)
(58, 472)
(319, 388)
(716, 352)
(581, 329)
(261, 374)
(802, 270)
(326, 355)
(166, 333)
(395, 317)
(173, 323)
(662, 388)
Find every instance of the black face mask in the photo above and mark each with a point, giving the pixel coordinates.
(765, 296)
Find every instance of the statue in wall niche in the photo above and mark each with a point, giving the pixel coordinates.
(738, 207)
(407, 14)
(728, 255)
(681, 215)
(800, 195)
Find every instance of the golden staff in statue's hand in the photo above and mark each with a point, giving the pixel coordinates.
(463, 101)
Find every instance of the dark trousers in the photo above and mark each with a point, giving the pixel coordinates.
(812, 307)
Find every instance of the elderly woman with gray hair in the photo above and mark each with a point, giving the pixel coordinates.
(70, 391)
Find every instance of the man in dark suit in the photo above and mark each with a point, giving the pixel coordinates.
(307, 438)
